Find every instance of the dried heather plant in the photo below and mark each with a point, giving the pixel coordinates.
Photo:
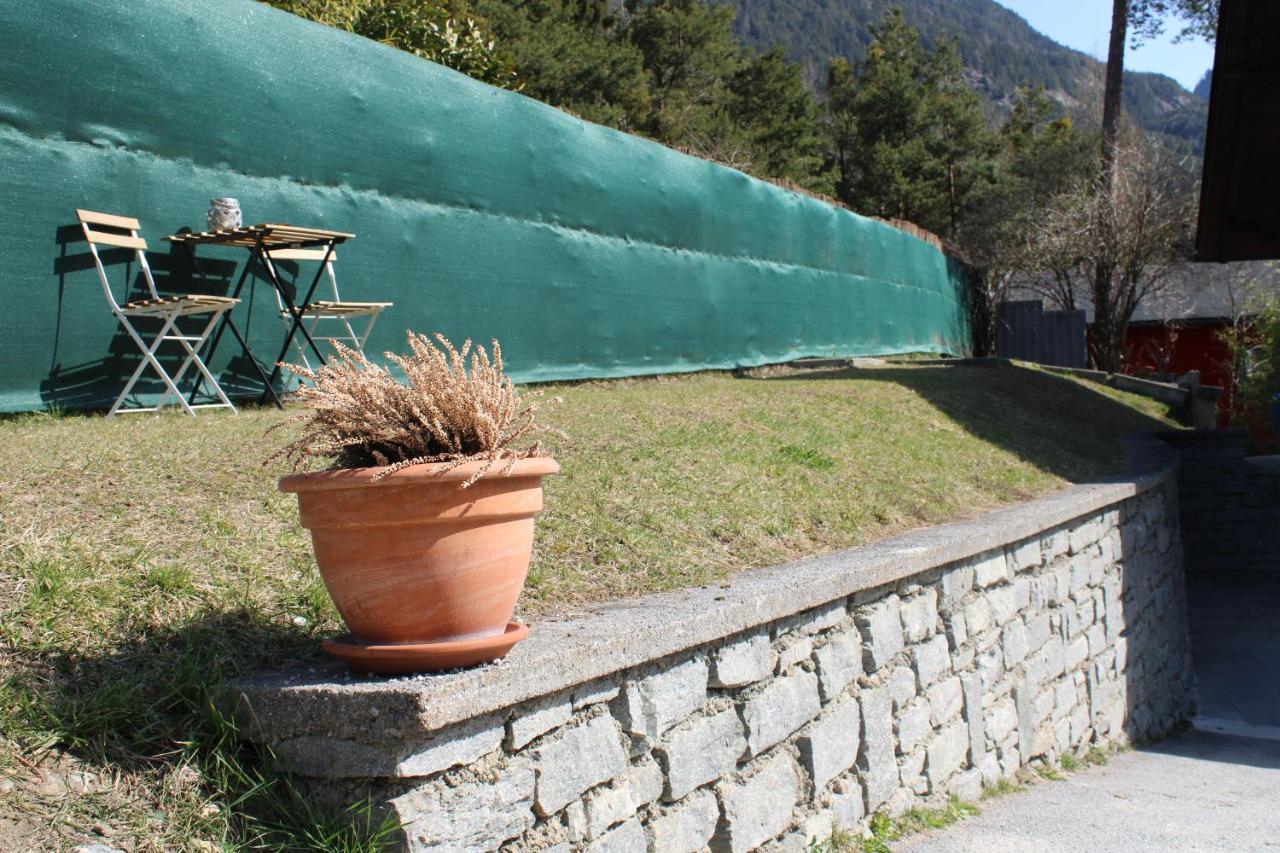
(449, 410)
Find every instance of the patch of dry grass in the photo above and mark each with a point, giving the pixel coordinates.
(146, 558)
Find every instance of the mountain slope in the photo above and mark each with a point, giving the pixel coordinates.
(1000, 49)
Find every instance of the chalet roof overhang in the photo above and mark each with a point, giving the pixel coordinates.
(1240, 191)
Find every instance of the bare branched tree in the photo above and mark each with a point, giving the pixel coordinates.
(1136, 233)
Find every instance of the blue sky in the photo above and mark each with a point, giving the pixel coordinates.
(1086, 24)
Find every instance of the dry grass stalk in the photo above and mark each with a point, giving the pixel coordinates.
(456, 406)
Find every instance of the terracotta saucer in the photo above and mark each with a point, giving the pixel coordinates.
(406, 658)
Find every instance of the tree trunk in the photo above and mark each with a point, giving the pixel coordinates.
(1106, 354)
(1112, 94)
(951, 201)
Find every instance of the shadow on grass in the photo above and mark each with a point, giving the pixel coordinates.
(1054, 423)
(149, 706)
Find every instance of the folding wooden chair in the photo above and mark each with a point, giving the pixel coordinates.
(334, 310)
(104, 229)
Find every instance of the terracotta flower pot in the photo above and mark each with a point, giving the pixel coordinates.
(425, 574)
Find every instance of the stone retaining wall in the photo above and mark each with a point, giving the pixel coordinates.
(762, 713)
(1230, 504)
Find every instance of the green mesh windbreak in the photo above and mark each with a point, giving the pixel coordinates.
(481, 213)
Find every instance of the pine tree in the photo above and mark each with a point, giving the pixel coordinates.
(569, 54)
(908, 134)
(689, 53)
(961, 142)
(768, 99)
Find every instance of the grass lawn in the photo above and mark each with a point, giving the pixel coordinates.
(146, 558)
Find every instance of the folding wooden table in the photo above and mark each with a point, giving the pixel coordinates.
(258, 240)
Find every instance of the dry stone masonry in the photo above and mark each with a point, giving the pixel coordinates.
(1230, 504)
(937, 669)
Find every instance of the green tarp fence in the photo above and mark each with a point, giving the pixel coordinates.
(480, 212)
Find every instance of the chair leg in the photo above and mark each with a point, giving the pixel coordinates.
(352, 336)
(194, 358)
(149, 358)
(368, 328)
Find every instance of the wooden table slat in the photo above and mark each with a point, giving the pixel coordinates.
(269, 234)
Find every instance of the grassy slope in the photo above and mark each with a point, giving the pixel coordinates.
(143, 559)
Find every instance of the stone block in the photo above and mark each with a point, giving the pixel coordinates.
(742, 662)
(1076, 617)
(336, 758)
(879, 768)
(989, 667)
(816, 828)
(649, 706)
(911, 773)
(1097, 640)
(945, 700)
(536, 720)
(991, 570)
(989, 767)
(594, 693)
(1024, 700)
(793, 649)
(625, 838)
(847, 807)
(1076, 653)
(1052, 656)
(780, 708)
(1064, 698)
(956, 583)
(472, 815)
(920, 615)
(759, 808)
(640, 785)
(1115, 619)
(956, 630)
(700, 751)
(1038, 630)
(688, 827)
(947, 752)
(839, 663)
(1098, 566)
(1042, 705)
(977, 615)
(881, 626)
(913, 726)
(1079, 578)
(1007, 601)
(902, 685)
(1025, 556)
(1083, 535)
(1062, 735)
(829, 745)
(823, 618)
(971, 688)
(1014, 643)
(1001, 720)
(1122, 653)
(581, 758)
(966, 786)
(1053, 545)
(932, 660)
(1010, 762)
(901, 800)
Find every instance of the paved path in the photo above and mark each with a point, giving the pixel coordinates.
(1235, 643)
(1198, 791)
